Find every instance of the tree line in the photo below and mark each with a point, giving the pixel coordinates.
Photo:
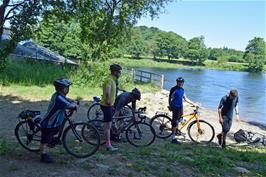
(98, 30)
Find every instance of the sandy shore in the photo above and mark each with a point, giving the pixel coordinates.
(158, 102)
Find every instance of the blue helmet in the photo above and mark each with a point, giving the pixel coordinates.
(180, 79)
(61, 83)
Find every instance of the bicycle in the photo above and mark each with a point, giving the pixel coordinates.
(80, 139)
(197, 129)
(250, 138)
(95, 112)
(138, 132)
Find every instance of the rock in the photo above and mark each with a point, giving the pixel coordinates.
(189, 159)
(241, 170)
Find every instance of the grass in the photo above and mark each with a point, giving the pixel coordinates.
(181, 63)
(161, 159)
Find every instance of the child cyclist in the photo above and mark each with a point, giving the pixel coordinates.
(55, 115)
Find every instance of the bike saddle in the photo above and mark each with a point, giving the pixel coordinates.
(28, 113)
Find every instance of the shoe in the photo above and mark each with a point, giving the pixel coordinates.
(111, 148)
(46, 158)
(219, 137)
(174, 141)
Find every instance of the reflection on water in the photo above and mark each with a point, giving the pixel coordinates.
(208, 86)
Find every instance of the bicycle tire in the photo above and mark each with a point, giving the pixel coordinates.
(162, 125)
(99, 125)
(136, 132)
(95, 112)
(74, 138)
(201, 132)
(32, 137)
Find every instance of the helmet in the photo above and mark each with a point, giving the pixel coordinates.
(59, 83)
(115, 67)
(136, 93)
(180, 79)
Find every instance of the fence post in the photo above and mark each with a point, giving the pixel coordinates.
(162, 81)
(133, 74)
(140, 76)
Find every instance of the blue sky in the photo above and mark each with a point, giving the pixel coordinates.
(222, 23)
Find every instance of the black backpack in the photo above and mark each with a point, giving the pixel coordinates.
(240, 136)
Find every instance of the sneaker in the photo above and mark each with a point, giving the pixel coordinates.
(46, 158)
(174, 141)
(219, 137)
(111, 148)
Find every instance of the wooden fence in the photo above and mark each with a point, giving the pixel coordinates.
(147, 77)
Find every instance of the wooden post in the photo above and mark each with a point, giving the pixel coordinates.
(162, 81)
(150, 77)
(141, 76)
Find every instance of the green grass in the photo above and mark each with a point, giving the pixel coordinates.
(181, 63)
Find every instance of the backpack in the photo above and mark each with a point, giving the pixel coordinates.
(240, 136)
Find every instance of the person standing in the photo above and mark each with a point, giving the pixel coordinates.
(176, 97)
(110, 89)
(225, 111)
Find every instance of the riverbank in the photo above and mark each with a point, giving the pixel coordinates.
(180, 63)
(158, 160)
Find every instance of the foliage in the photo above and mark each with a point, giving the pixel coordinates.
(197, 51)
(60, 35)
(255, 54)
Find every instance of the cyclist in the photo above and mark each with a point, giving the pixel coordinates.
(55, 115)
(225, 112)
(110, 89)
(125, 98)
(176, 97)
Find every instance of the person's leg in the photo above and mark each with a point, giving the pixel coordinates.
(227, 123)
(45, 137)
(108, 114)
(174, 125)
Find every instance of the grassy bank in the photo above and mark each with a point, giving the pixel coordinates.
(161, 159)
(31, 80)
(181, 63)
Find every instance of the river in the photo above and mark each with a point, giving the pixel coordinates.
(208, 86)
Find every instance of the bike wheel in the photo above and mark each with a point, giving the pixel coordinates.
(28, 137)
(140, 134)
(162, 126)
(203, 134)
(95, 112)
(81, 139)
(99, 125)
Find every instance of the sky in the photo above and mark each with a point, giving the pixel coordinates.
(224, 23)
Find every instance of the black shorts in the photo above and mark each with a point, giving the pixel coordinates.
(227, 123)
(177, 113)
(48, 133)
(108, 112)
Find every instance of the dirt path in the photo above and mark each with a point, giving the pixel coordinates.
(21, 163)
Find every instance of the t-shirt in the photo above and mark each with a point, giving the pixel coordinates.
(109, 83)
(177, 94)
(56, 111)
(123, 99)
(228, 106)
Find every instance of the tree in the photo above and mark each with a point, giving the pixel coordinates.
(62, 36)
(255, 54)
(105, 23)
(21, 14)
(215, 53)
(197, 51)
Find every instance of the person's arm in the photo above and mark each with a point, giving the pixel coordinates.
(65, 103)
(237, 112)
(108, 89)
(189, 101)
(220, 111)
(133, 104)
(170, 99)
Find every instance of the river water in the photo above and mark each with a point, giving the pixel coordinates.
(208, 86)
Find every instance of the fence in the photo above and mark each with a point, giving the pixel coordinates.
(147, 77)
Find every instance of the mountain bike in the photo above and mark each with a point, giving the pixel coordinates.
(79, 139)
(95, 112)
(138, 132)
(199, 131)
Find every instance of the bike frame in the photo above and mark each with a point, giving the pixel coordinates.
(191, 116)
